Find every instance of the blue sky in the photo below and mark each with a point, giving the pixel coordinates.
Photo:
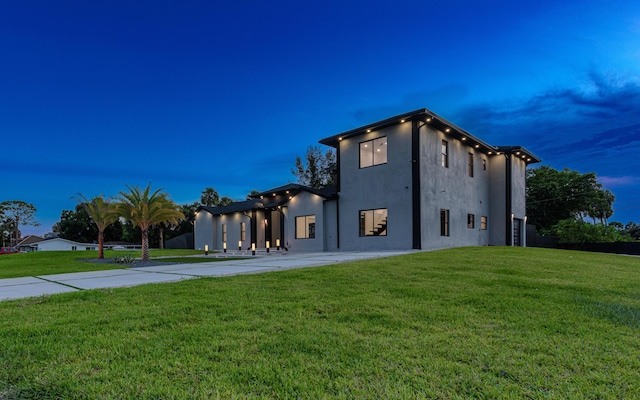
(98, 95)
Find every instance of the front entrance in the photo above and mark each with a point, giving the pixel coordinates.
(517, 232)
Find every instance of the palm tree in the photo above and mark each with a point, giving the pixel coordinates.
(102, 213)
(145, 209)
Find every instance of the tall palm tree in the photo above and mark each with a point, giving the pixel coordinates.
(145, 209)
(102, 213)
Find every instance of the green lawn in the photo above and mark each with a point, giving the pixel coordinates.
(58, 262)
(490, 322)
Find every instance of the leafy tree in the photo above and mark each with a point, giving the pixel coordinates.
(225, 201)
(318, 170)
(18, 212)
(210, 197)
(571, 230)
(252, 193)
(146, 209)
(553, 196)
(102, 214)
(77, 225)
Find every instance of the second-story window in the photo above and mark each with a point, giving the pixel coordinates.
(373, 152)
(445, 154)
(470, 164)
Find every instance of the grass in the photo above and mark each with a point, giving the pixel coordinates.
(464, 323)
(58, 262)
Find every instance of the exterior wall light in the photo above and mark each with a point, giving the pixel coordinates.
(278, 244)
(224, 246)
(267, 246)
(206, 249)
(253, 249)
(239, 245)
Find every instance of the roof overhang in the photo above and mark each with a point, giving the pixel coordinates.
(424, 117)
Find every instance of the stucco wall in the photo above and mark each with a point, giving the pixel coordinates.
(452, 189)
(380, 186)
(203, 231)
(304, 204)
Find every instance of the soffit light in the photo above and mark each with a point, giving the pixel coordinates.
(448, 130)
(463, 138)
(402, 121)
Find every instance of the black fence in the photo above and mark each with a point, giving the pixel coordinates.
(534, 240)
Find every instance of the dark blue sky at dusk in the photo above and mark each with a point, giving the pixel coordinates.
(185, 95)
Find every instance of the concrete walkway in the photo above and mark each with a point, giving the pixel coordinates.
(16, 288)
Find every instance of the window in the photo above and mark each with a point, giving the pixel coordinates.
(373, 222)
(445, 154)
(306, 227)
(483, 223)
(484, 164)
(471, 221)
(470, 164)
(444, 222)
(74, 248)
(224, 233)
(243, 231)
(373, 152)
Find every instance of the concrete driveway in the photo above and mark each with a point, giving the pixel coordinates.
(16, 288)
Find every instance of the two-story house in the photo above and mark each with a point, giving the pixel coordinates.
(413, 181)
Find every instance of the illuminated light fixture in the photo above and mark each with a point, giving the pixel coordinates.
(340, 138)
(290, 197)
(287, 192)
(523, 156)
(278, 243)
(448, 130)
(477, 146)
(224, 246)
(261, 197)
(239, 245)
(517, 153)
(402, 121)
(267, 246)
(463, 138)
(428, 119)
(253, 249)
(368, 130)
(491, 152)
(206, 249)
(528, 159)
(274, 195)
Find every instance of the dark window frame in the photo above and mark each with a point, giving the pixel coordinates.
(373, 153)
(470, 165)
(444, 152)
(444, 222)
(471, 221)
(362, 218)
(310, 227)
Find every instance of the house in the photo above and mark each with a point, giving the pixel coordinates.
(413, 181)
(25, 243)
(61, 244)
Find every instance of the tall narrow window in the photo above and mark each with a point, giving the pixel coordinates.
(445, 154)
(471, 221)
(373, 222)
(484, 164)
(470, 164)
(483, 223)
(224, 233)
(444, 222)
(306, 227)
(373, 152)
(243, 231)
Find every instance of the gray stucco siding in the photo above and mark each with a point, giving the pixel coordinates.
(305, 204)
(451, 188)
(385, 186)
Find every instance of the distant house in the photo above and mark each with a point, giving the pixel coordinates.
(413, 181)
(62, 245)
(25, 244)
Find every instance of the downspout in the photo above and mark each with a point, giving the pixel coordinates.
(338, 194)
(415, 184)
(509, 220)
